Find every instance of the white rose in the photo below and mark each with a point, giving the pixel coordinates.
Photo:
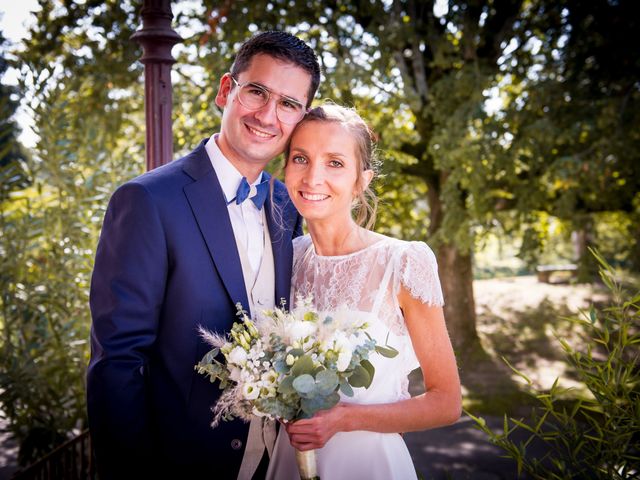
(237, 356)
(300, 329)
(342, 347)
(250, 391)
(344, 359)
(290, 360)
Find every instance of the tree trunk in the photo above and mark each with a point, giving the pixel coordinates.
(635, 249)
(582, 238)
(456, 276)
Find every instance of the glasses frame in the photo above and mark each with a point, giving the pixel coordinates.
(269, 95)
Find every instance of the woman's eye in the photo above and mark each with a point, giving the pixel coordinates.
(336, 163)
(298, 159)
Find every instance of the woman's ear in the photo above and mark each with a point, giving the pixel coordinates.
(365, 180)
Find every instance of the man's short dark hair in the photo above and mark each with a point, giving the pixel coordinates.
(283, 46)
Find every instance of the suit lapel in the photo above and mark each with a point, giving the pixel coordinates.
(208, 204)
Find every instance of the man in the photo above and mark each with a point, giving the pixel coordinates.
(180, 246)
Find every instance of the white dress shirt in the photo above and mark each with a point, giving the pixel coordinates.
(247, 221)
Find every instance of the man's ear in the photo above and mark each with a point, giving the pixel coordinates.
(223, 90)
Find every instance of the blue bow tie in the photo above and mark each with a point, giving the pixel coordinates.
(244, 189)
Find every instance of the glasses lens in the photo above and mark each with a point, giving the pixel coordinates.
(253, 97)
(289, 111)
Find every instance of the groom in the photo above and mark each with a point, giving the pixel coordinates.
(180, 246)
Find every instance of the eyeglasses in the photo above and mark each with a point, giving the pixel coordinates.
(253, 97)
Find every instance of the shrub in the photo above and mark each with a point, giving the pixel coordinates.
(593, 434)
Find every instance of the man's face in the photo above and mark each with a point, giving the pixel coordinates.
(252, 138)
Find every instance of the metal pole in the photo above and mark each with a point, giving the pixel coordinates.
(157, 38)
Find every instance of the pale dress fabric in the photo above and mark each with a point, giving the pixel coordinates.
(366, 282)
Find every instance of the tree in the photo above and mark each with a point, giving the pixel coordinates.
(12, 156)
(85, 98)
(422, 74)
(419, 76)
(570, 121)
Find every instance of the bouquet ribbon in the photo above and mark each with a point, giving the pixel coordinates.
(262, 434)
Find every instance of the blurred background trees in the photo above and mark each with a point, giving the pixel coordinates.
(499, 120)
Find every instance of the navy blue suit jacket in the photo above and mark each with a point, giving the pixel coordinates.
(166, 263)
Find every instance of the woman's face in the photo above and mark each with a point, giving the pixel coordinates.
(321, 173)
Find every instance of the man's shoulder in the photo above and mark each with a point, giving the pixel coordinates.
(175, 173)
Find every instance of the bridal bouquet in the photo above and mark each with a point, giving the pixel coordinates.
(289, 365)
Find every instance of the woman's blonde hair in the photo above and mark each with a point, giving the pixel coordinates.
(366, 202)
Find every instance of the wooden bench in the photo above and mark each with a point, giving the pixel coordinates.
(544, 272)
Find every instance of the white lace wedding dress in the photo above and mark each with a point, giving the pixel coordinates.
(368, 282)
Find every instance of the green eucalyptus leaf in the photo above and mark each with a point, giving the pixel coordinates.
(316, 403)
(327, 381)
(388, 352)
(360, 377)
(304, 384)
(369, 367)
(303, 365)
(286, 385)
(346, 389)
(296, 352)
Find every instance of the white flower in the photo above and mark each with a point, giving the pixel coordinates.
(253, 350)
(250, 391)
(298, 330)
(342, 347)
(237, 356)
(269, 378)
(267, 392)
(344, 359)
(235, 374)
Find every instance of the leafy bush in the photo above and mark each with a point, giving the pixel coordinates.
(593, 434)
(49, 229)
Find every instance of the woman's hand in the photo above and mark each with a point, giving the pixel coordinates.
(312, 433)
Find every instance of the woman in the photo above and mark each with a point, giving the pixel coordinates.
(392, 283)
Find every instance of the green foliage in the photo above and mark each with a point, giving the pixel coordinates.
(563, 140)
(88, 143)
(12, 156)
(591, 434)
(570, 118)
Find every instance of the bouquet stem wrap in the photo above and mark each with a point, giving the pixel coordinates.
(307, 465)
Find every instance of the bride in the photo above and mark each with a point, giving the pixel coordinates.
(392, 283)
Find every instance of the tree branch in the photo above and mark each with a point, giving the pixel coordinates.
(497, 27)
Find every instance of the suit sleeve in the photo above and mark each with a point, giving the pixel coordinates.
(127, 289)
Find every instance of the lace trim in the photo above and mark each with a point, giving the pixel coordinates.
(354, 280)
(419, 274)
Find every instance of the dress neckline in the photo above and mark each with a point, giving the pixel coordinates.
(312, 249)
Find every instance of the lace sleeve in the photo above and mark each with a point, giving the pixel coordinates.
(417, 271)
